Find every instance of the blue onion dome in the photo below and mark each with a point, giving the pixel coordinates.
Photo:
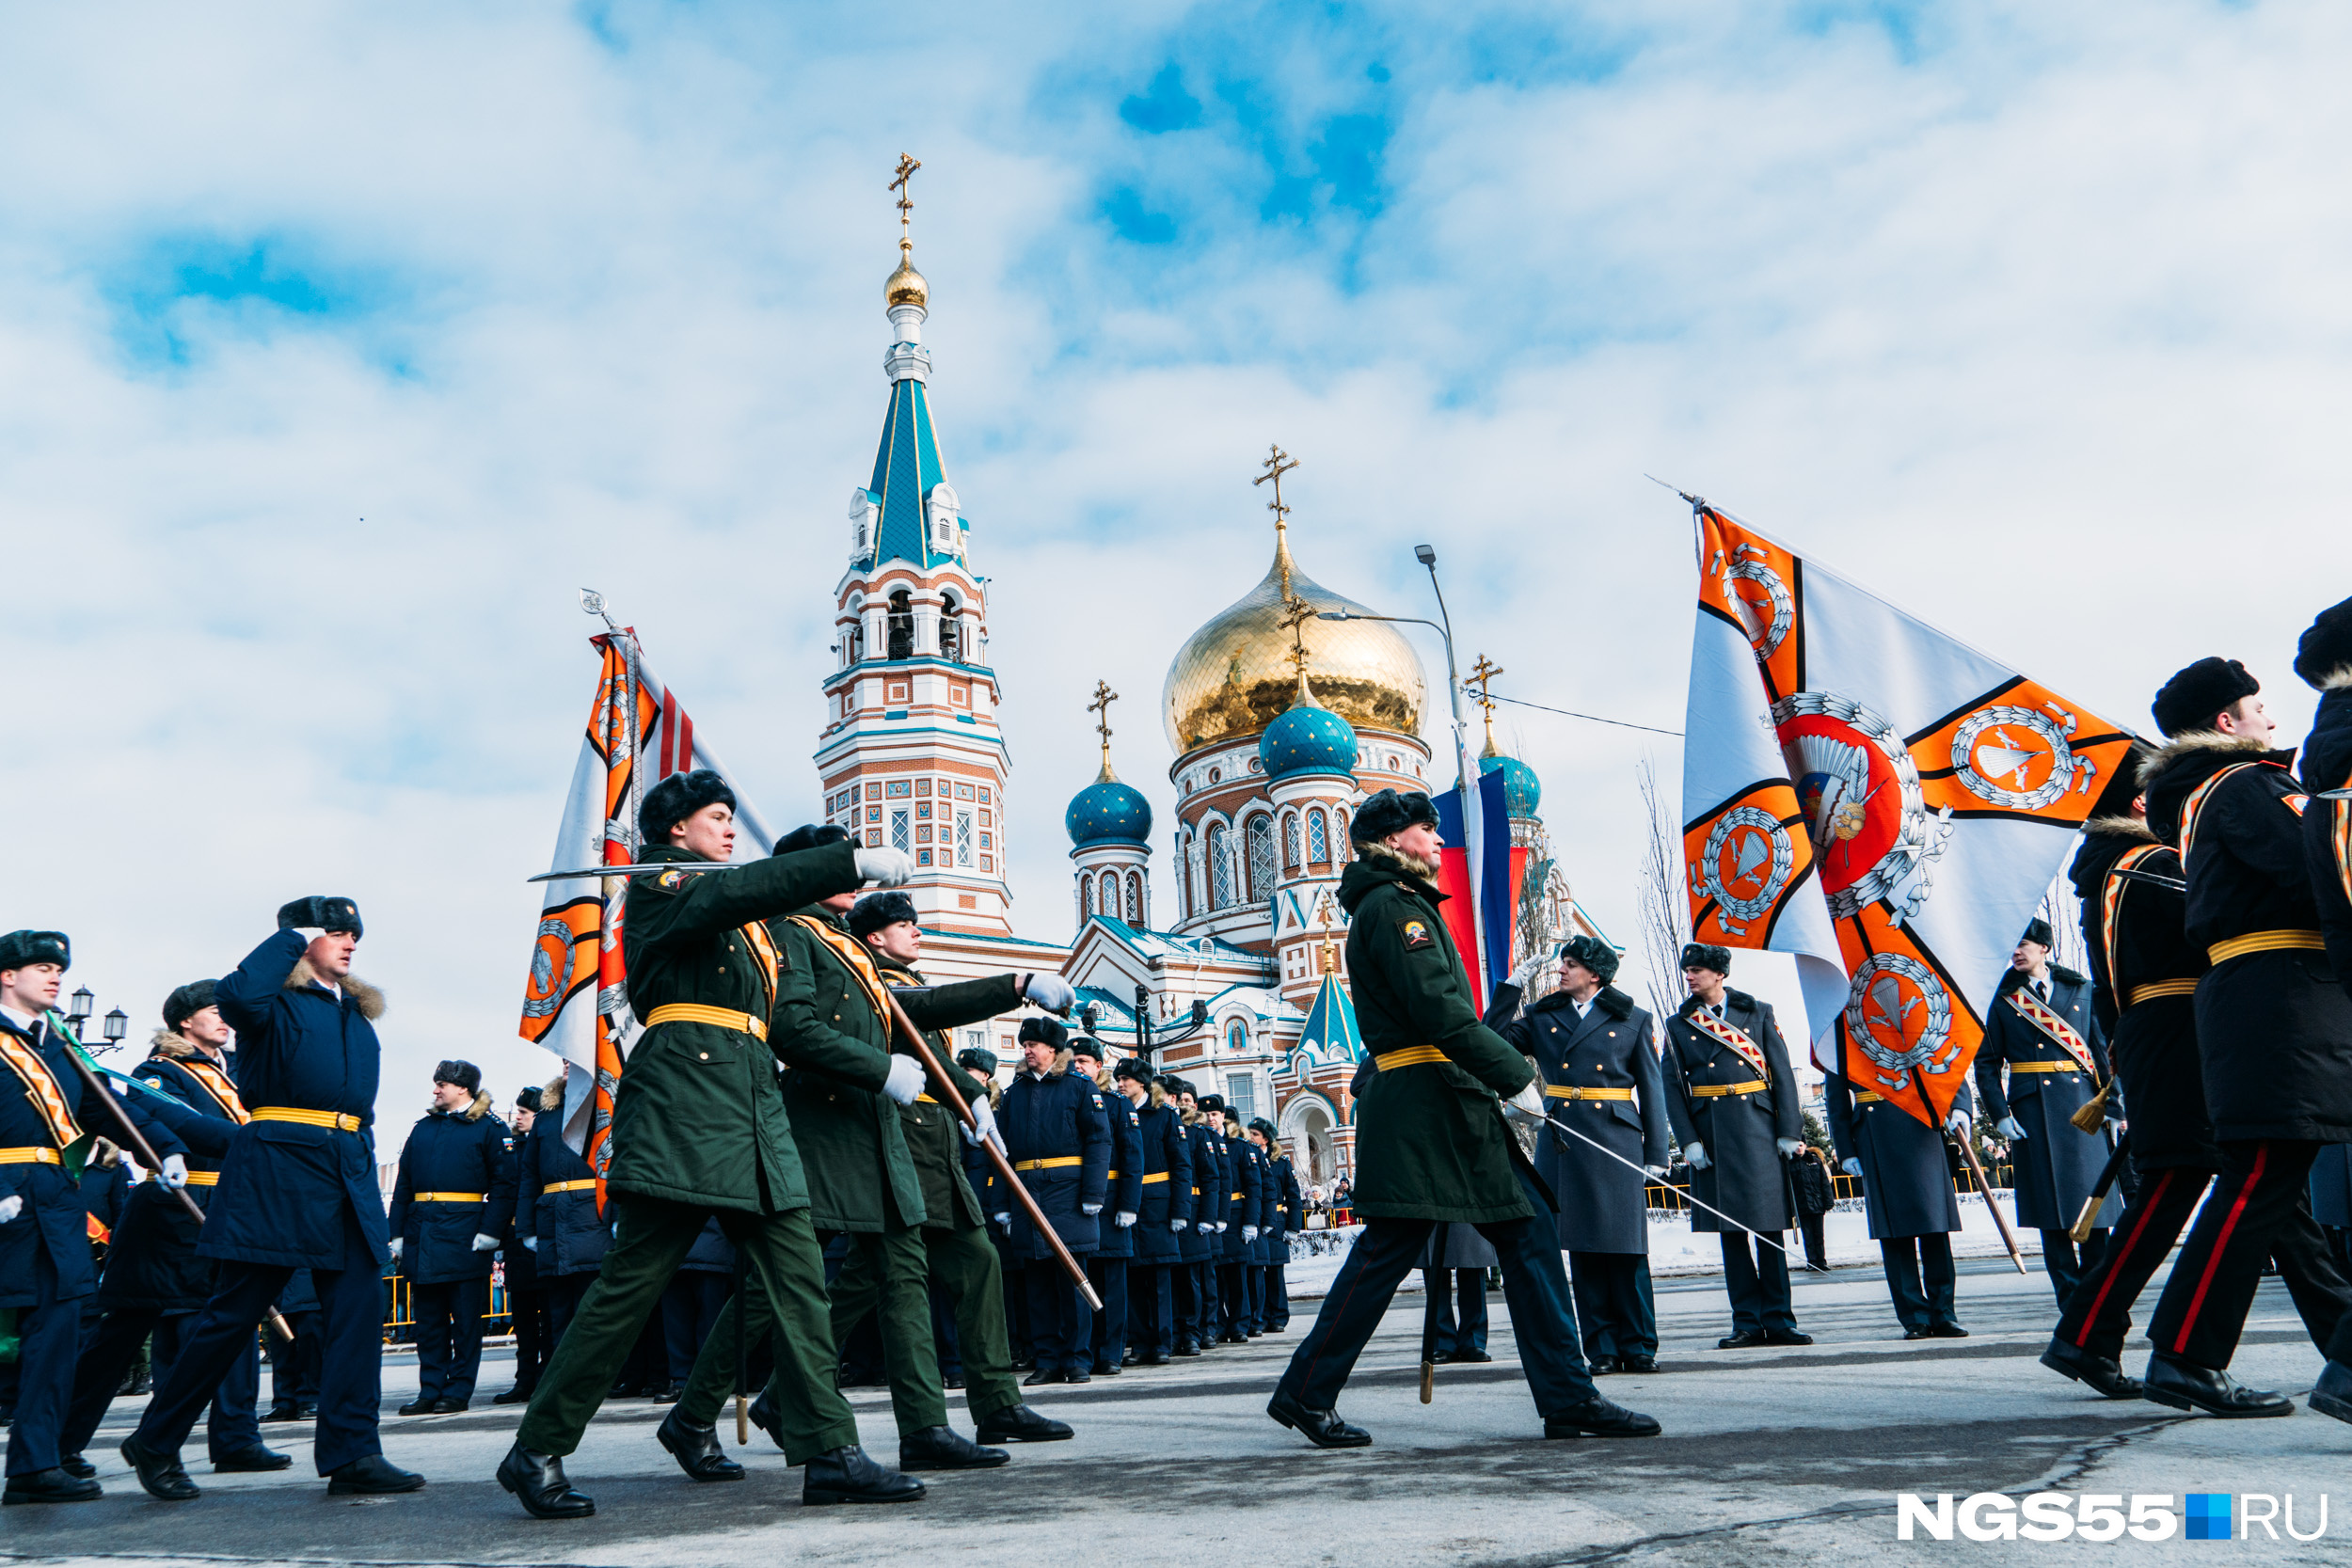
(1309, 738)
(1521, 790)
(1107, 811)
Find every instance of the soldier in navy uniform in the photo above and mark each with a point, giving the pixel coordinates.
(1277, 1217)
(1908, 1197)
(2043, 1027)
(555, 1216)
(1735, 1107)
(1237, 1229)
(1058, 1137)
(1592, 1045)
(454, 1197)
(526, 1303)
(48, 1116)
(2323, 658)
(1163, 1214)
(1196, 1273)
(1107, 1269)
(154, 1283)
(297, 1189)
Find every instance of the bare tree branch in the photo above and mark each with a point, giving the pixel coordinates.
(1666, 910)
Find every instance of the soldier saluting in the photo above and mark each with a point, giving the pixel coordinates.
(1734, 1105)
(1432, 1145)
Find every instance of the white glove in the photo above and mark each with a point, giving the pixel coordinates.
(1172, 1225)
(884, 867)
(1789, 1147)
(309, 933)
(1696, 1154)
(905, 1081)
(1050, 991)
(530, 1243)
(1528, 1104)
(175, 1171)
(1526, 971)
(1090, 1210)
(397, 1244)
(485, 1243)
(2010, 1128)
(1004, 1219)
(12, 1206)
(1125, 1219)
(1956, 1123)
(984, 1125)
(1851, 1167)
(1222, 1226)
(616, 1230)
(1248, 1232)
(1658, 1171)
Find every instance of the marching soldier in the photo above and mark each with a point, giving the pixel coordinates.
(1734, 1104)
(555, 1217)
(454, 1197)
(1433, 1145)
(297, 1189)
(2042, 1026)
(1107, 1269)
(699, 1126)
(1196, 1243)
(2324, 659)
(1163, 1214)
(2273, 1027)
(1057, 1136)
(1908, 1197)
(45, 1272)
(1593, 1046)
(1278, 1219)
(154, 1283)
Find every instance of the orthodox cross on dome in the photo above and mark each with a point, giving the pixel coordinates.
(904, 185)
(1101, 707)
(1483, 675)
(1279, 462)
(1296, 612)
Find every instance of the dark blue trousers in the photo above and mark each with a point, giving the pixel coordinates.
(1108, 1276)
(1277, 1298)
(351, 1352)
(231, 1427)
(449, 1336)
(690, 1304)
(1233, 1299)
(1150, 1308)
(1534, 1286)
(1061, 1324)
(1192, 1303)
(1756, 1275)
(1457, 1299)
(50, 1334)
(2064, 1265)
(1612, 1297)
(1920, 1277)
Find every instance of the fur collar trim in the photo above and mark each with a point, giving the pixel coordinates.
(175, 1047)
(1062, 1059)
(2059, 975)
(1155, 1097)
(1733, 1000)
(2336, 679)
(551, 1096)
(1397, 860)
(371, 1001)
(1610, 1000)
(2196, 741)
(475, 1112)
(2122, 827)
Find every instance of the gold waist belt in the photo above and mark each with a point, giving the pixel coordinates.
(203, 1179)
(2263, 942)
(1863, 1097)
(1154, 1176)
(1577, 1091)
(2160, 987)
(341, 1121)
(1412, 1056)
(694, 1012)
(1236, 1197)
(1056, 1163)
(588, 1186)
(1715, 1091)
(30, 1157)
(2046, 1066)
(451, 1197)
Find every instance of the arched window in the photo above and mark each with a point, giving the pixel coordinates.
(951, 631)
(1318, 838)
(1237, 1037)
(1339, 830)
(1135, 900)
(1110, 895)
(1290, 838)
(1086, 900)
(1260, 834)
(901, 625)
(1220, 869)
(1184, 863)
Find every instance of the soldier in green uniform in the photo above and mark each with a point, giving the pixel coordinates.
(1432, 1145)
(699, 1128)
(833, 1033)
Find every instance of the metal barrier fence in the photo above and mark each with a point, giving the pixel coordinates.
(399, 1316)
(1675, 1198)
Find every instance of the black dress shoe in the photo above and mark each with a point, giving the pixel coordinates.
(1472, 1357)
(1127, 1357)
(1077, 1374)
(1746, 1338)
(1633, 1363)
(161, 1474)
(763, 1416)
(2332, 1394)
(667, 1394)
(307, 1410)
(254, 1459)
(279, 1412)
(372, 1477)
(1598, 1418)
(2074, 1362)
(1947, 1331)
(1109, 1369)
(1042, 1376)
(1020, 1424)
(516, 1395)
(1785, 1336)
(53, 1485)
(1918, 1334)
(945, 1449)
(1185, 1347)
(696, 1449)
(1025, 1364)
(1323, 1427)
(2184, 1386)
(421, 1405)
(1603, 1365)
(848, 1475)
(538, 1484)
(1153, 1358)
(75, 1465)
(447, 1407)
(953, 1380)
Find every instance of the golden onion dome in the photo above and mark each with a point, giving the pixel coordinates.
(1234, 676)
(906, 285)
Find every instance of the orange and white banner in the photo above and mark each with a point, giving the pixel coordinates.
(1876, 797)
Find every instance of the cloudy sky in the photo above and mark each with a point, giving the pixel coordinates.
(339, 345)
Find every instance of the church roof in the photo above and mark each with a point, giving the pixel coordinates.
(1166, 945)
(1331, 1023)
(906, 466)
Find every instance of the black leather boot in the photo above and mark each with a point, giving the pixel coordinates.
(945, 1449)
(1020, 1424)
(696, 1449)
(2184, 1386)
(2097, 1370)
(53, 1485)
(374, 1476)
(1599, 1418)
(2332, 1394)
(848, 1475)
(764, 1416)
(253, 1459)
(162, 1474)
(75, 1465)
(1323, 1427)
(538, 1484)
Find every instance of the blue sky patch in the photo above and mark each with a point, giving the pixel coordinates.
(254, 286)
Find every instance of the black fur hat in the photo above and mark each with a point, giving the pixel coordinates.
(811, 835)
(1594, 953)
(1263, 1128)
(1046, 1029)
(1700, 954)
(464, 1074)
(877, 909)
(2193, 698)
(186, 1001)
(529, 1099)
(978, 1060)
(676, 798)
(2038, 932)
(2326, 646)
(1387, 813)
(1086, 1046)
(24, 949)
(1134, 1069)
(323, 912)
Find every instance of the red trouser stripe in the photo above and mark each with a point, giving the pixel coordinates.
(2116, 1255)
(2220, 1245)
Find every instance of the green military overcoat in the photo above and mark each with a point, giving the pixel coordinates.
(861, 1175)
(929, 1123)
(697, 1118)
(1430, 1141)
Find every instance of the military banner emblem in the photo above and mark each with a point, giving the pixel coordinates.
(1876, 799)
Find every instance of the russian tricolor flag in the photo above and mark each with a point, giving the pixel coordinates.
(1475, 874)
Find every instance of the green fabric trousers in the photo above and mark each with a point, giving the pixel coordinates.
(965, 1265)
(784, 1264)
(896, 1259)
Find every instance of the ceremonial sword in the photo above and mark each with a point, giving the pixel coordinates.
(2171, 884)
(1550, 1120)
(594, 871)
